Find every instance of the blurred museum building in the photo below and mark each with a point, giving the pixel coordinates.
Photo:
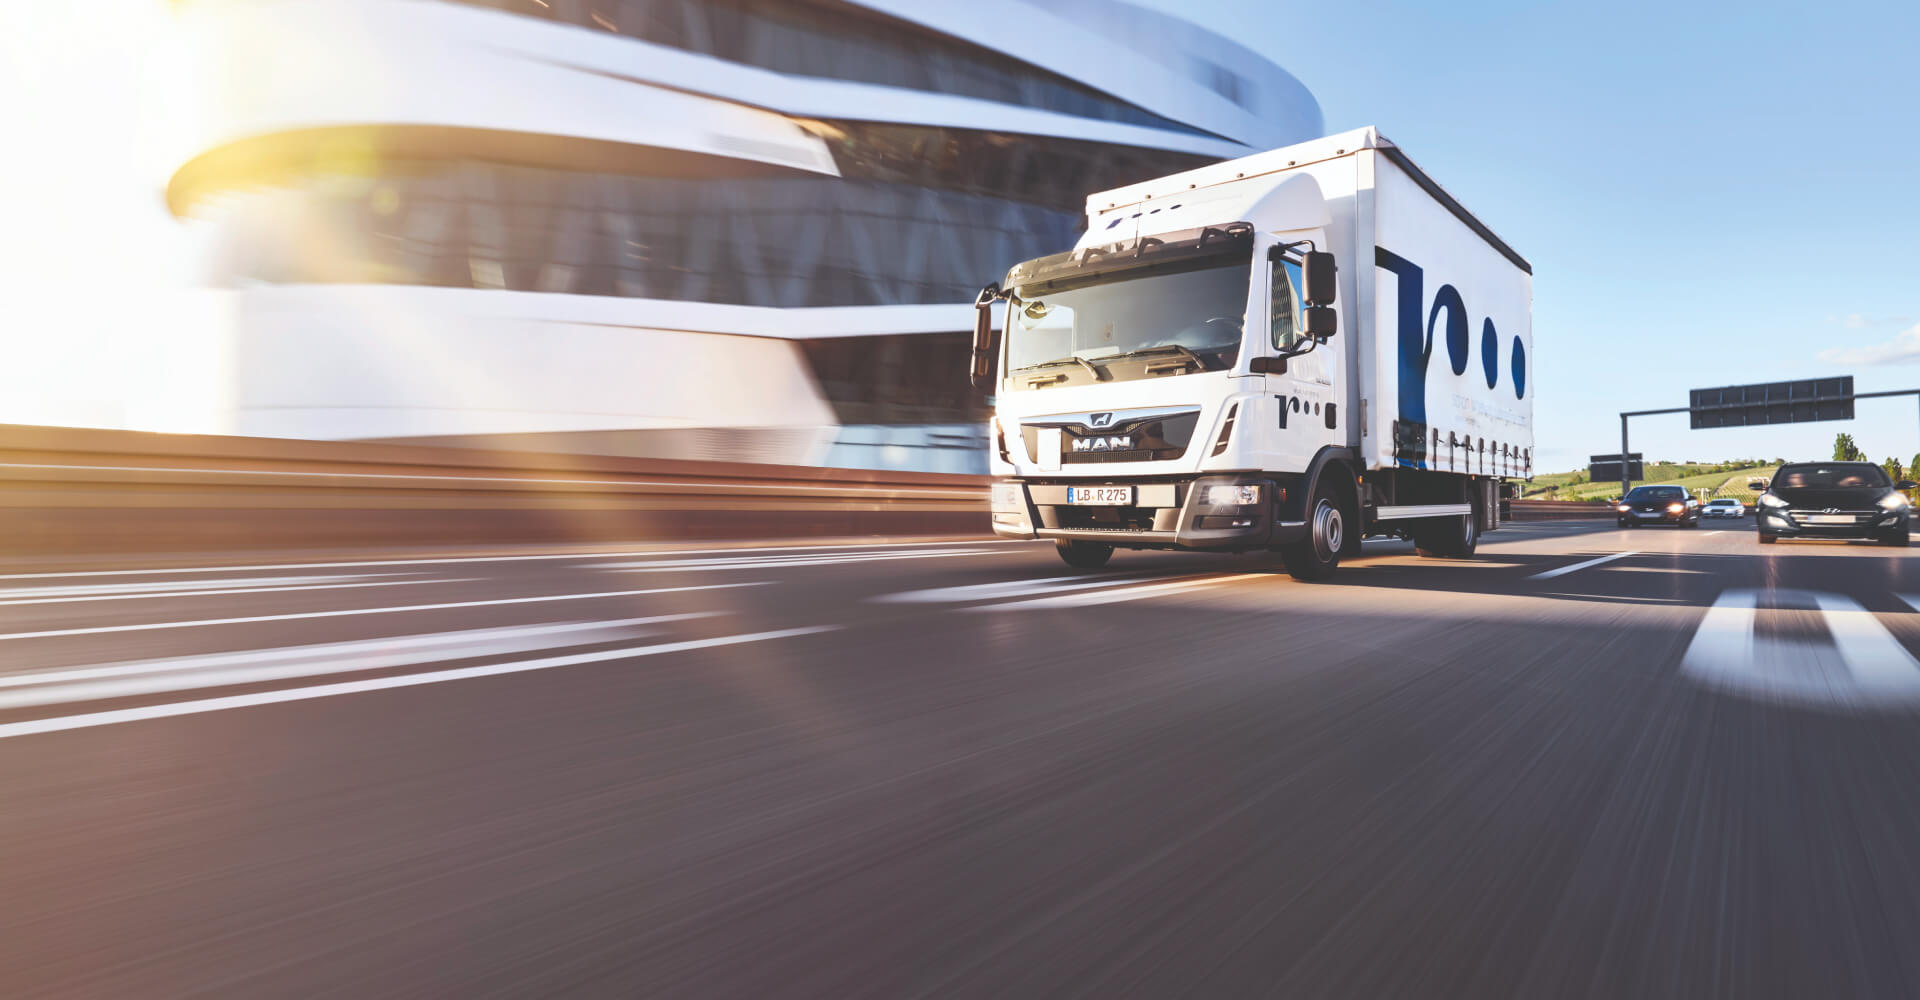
(741, 230)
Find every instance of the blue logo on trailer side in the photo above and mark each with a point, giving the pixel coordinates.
(1416, 350)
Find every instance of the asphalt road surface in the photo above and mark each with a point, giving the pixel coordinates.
(1591, 762)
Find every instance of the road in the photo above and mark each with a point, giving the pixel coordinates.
(1591, 762)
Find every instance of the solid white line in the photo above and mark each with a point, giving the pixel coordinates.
(104, 629)
(1564, 570)
(322, 651)
(381, 683)
(236, 590)
(185, 673)
(444, 560)
(156, 586)
(779, 562)
(1117, 595)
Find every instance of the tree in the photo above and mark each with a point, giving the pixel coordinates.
(1894, 471)
(1844, 450)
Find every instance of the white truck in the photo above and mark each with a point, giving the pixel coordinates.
(1287, 351)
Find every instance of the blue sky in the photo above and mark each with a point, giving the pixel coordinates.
(1710, 193)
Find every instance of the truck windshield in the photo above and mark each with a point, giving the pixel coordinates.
(1131, 325)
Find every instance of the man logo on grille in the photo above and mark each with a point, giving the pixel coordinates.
(1102, 419)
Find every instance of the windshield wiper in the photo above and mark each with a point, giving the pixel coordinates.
(1099, 375)
(1180, 349)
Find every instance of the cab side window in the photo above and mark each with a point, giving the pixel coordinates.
(1286, 305)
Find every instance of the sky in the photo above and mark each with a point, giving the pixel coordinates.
(1710, 194)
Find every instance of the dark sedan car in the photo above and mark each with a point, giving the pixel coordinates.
(1834, 500)
(1659, 505)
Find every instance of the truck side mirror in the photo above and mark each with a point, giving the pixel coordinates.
(1320, 322)
(1321, 278)
(982, 360)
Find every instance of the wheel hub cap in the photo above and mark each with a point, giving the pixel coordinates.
(1328, 530)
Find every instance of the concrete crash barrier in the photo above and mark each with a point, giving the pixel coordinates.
(66, 490)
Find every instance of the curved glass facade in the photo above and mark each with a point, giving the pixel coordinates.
(840, 42)
(924, 215)
(761, 242)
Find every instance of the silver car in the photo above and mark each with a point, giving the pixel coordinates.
(1723, 507)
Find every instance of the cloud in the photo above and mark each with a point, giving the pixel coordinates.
(1855, 321)
(1903, 349)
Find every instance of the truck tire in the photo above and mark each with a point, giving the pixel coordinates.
(1451, 538)
(1317, 555)
(1083, 555)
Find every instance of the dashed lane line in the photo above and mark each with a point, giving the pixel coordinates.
(1564, 570)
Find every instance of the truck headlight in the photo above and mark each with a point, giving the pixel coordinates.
(1233, 496)
(1007, 496)
(1769, 500)
(1893, 501)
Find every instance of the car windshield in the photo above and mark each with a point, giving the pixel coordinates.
(1724, 503)
(1195, 313)
(1830, 477)
(1657, 493)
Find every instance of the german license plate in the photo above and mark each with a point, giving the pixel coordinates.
(1106, 496)
(1829, 518)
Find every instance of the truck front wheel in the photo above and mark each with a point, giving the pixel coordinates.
(1317, 555)
(1083, 555)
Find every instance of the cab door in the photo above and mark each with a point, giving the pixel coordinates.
(1301, 405)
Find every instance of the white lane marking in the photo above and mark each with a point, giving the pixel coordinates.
(1115, 596)
(149, 626)
(154, 586)
(1006, 588)
(1862, 665)
(239, 590)
(382, 683)
(780, 562)
(183, 673)
(1710, 534)
(541, 557)
(1564, 570)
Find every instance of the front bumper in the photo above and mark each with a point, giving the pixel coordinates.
(1653, 517)
(1167, 513)
(1797, 524)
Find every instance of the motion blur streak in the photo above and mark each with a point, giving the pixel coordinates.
(1426, 778)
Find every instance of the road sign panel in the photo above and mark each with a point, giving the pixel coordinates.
(1772, 403)
(1609, 472)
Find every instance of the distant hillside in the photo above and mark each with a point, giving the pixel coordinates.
(1718, 479)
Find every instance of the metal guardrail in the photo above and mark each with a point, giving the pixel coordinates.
(1559, 510)
(66, 490)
